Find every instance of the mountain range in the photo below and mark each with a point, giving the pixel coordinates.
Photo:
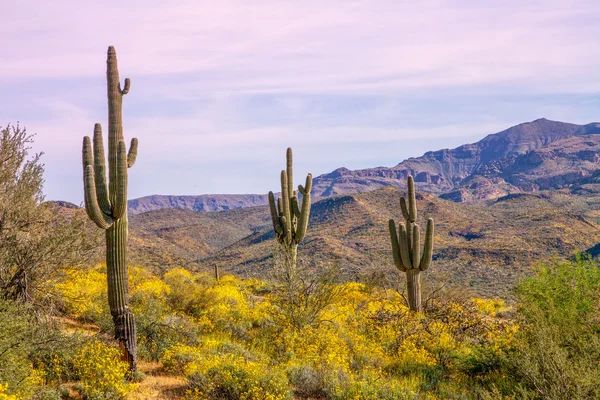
(526, 158)
(502, 205)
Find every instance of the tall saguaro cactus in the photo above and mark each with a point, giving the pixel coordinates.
(406, 248)
(107, 205)
(290, 222)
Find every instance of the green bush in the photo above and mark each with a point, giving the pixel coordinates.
(558, 350)
(21, 340)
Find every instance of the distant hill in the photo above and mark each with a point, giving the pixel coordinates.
(170, 237)
(527, 158)
(204, 202)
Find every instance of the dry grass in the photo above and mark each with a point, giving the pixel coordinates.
(71, 326)
(157, 386)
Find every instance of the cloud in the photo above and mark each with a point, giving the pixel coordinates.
(319, 47)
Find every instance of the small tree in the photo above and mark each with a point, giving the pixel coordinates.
(301, 297)
(37, 239)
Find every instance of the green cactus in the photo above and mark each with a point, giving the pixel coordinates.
(107, 206)
(406, 248)
(290, 222)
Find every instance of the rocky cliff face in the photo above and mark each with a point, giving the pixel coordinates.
(533, 156)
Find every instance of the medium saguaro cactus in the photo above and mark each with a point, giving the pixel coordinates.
(107, 206)
(406, 248)
(289, 220)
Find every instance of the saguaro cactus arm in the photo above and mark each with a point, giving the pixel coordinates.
(132, 155)
(275, 215)
(126, 88)
(296, 206)
(404, 247)
(409, 212)
(102, 220)
(396, 246)
(404, 209)
(428, 246)
(286, 201)
(305, 211)
(100, 171)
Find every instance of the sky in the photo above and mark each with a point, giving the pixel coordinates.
(220, 88)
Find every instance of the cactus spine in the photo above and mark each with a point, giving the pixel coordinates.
(406, 247)
(290, 222)
(107, 206)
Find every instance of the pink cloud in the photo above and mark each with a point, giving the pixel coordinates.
(307, 46)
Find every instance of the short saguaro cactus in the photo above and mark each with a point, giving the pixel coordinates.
(290, 222)
(406, 246)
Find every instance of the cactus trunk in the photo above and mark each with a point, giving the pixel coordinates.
(413, 285)
(118, 290)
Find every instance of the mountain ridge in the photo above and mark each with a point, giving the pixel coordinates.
(528, 157)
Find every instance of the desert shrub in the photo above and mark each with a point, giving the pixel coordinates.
(372, 385)
(307, 381)
(226, 370)
(85, 296)
(158, 326)
(239, 339)
(47, 393)
(4, 395)
(56, 363)
(156, 334)
(22, 338)
(302, 294)
(100, 371)
(557, 352)
(36, 241)
(185, 293)
(233, 377)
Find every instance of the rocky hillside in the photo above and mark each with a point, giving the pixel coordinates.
(529, 157)
(485, 246)
(526, 158)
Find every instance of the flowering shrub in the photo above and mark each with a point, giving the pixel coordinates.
(85, 294)
(4, 395)
(224, 370)
(231, 340)
(101, 372)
